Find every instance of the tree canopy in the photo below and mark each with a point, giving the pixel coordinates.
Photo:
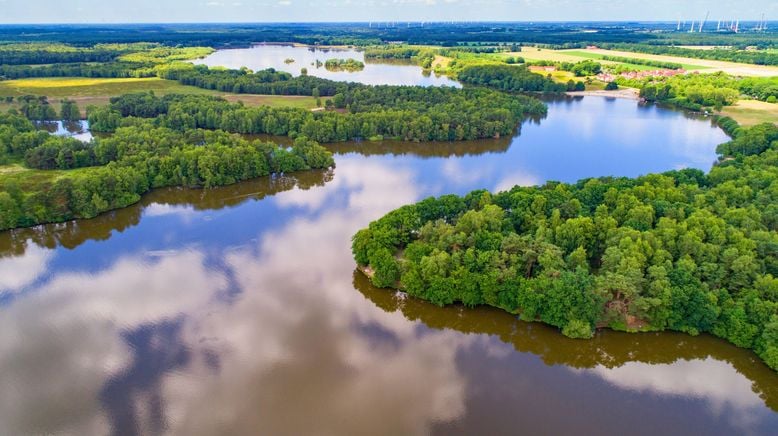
(682, 250)
(113, 172)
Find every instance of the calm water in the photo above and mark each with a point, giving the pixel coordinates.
(237, 310)
(260, 57)
(73, 129)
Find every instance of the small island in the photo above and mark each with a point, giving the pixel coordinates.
(350, 65)
(288, 61)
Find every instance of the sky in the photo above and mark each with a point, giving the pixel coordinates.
(170, 11)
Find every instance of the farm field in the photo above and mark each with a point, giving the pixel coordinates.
(74, 87)
(598, 56)
(89, 91)
(750, 112)
(578, 55)
(709, 66)
(701, 65)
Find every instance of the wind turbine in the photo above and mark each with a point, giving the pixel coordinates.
(702, 23)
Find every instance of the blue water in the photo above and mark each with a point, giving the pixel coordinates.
(237, 310)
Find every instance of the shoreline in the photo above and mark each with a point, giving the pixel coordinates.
(626, 93)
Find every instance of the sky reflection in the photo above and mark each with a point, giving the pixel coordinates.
(237, 311)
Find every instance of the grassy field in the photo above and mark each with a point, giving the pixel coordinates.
(702, 65)
(297, 101)
(596, 56)
(31, 179)
(89, 91)
(750, 112)
(534, 54)
(542, 54)
(74, 87)
(711, 66)
(565, 76)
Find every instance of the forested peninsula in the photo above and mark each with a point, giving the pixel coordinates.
(681, 250)
(400, 112)
(66, 178)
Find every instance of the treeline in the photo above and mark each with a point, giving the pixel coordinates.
(131, 162)
(557, 35)
(648, 62)
(270, 81)
(367, 112)
(344, 65)
(422, 56)
(106, 70)
(758, 57)
(57, 53)
(682, 250)
(761, 88)
(509, 78)
(38, 108)
(392, 52)
(127, 60)
(698, 91)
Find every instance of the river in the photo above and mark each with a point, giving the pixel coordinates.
(238, 310)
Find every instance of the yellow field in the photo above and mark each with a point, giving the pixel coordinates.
(750, 112)
(565, 76)
(73, 87)
(703, 65)
(440, 62)
(574, 56)
(710, 66)
(542, 54)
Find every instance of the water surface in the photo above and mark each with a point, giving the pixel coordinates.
(74, 129)
(260, 57)
(237, 310)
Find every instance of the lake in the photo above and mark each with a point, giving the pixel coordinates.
(238, 310)
(260, 57)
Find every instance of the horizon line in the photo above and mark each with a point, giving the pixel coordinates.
(91, 23)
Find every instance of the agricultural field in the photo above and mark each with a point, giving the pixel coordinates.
(564, 76)
(750, 112)
(91, 91)
(590, 54)
(75, 87)
(689, 64)
(711, 66)
(295, 101)
(535, 54)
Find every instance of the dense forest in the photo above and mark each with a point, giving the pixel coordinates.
(508, 78)
(113, 172)
(56, 53)
(553, 35)
(401, 112)
(682, 250)
(243, 81)
(697, 91)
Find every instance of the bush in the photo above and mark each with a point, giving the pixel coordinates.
(577, 329)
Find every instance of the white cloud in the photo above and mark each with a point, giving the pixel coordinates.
(20, 271)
